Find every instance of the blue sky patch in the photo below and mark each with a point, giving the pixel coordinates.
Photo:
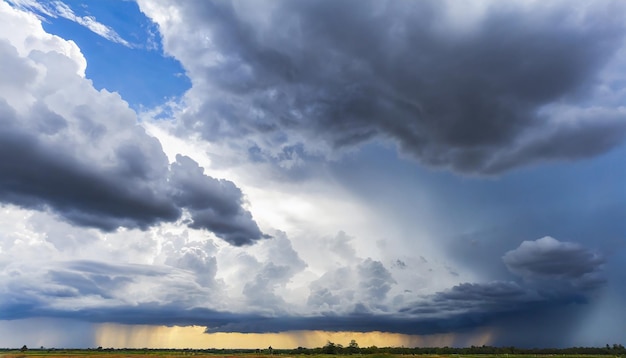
(130, 61)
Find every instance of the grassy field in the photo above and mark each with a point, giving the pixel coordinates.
(188, 354)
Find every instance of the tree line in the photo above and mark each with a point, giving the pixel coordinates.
(354, 348)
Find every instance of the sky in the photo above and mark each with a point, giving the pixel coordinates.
(252, 173)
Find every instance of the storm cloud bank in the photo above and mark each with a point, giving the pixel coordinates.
(478, 88)
(80, 153)
(353, 298)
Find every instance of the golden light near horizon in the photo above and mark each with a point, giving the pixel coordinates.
(146, 336)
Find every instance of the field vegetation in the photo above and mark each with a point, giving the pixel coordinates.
(328, 351)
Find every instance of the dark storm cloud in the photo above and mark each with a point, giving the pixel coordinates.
(555, 274)
(476, 93)
(550, 259)
(462, 308)
(88, 161)
(35, 176)
(101, 292)
(483, 301)
(352, 323)
(214, 204)
(418, 323)
(221, 321)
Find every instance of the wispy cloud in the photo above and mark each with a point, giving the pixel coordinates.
(56, 9)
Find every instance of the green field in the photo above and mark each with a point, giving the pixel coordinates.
(140, 353)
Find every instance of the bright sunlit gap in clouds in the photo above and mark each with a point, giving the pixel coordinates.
(144, 336)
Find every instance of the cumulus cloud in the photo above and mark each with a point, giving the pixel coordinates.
(553, 260)
(480, 91)
(259, 291)
(276, 267)
(348, 289)
(180, 286)
(374, 279)
(332, 289)
(188, 286)
(198, 258)
(80, 153)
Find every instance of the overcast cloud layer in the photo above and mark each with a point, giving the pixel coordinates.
(266, 198)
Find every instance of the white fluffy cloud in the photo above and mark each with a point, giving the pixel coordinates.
(80, 152)
(24, 32)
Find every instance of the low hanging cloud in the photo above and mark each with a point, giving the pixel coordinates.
(187, 290)
(95, 290)
(552, 271)
(79, 152)
(479, 89)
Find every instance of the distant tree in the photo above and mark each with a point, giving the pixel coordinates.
(353, 347)
(370, 350)
(24, 348)
(330, 348)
